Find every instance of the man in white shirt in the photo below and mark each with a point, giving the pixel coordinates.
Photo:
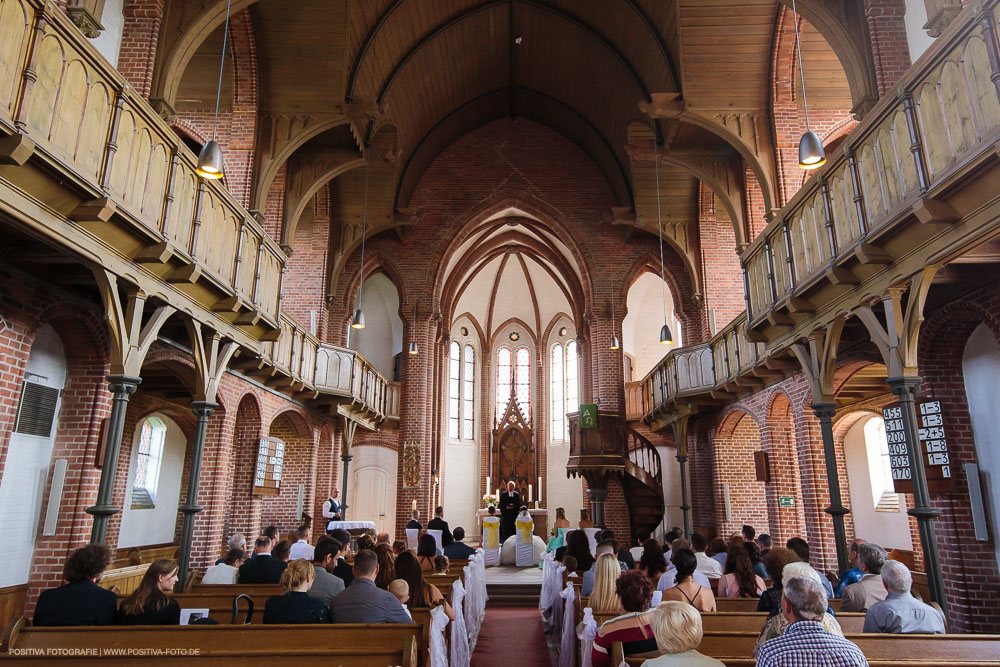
(302, 548)
(668, 579)
(331, 509)
(706, 565)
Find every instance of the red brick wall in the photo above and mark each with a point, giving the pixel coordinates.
(887, 33)
(722, 276)
(739, 438)
(140, 36)
(304, 286)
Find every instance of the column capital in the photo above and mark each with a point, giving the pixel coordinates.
(203, 408)
(824, 409)
(597, 495)
(123, 384)
(904, 383)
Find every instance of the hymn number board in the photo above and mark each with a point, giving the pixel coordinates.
(270, 461)
(933, 447)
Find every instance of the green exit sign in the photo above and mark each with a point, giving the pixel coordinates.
(786, 501)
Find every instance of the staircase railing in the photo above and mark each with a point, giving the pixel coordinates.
(645, 461)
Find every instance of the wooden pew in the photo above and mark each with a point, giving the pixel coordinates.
(147, 554)
(348, 645)
(734, 648)
(751, 621)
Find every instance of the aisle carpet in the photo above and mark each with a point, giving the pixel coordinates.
(511, 636)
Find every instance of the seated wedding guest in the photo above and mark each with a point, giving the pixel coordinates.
(325, 585)
(588, 577)
(603, 596)
(386, 566)
(740, 581)
(295, 605)
(401, 590)
(571, 566)
(806, 641)
(366, 541)
(271, 532)
(718, 550)
(652, 563)
(756, 560)
(237, 541)
(678, 631)
(624, 555)
(422, 593)
(669, 578)
(636, 551)
(900, 612)
(282, 550)
(632, 628)
(853, 575)
(748, 533)
(426, 550)
(578, 546)
(775, 562)
(438, 523)
(362, 601)
(776, 624)
(263, 568)
(561, 520)
(226, 572)
(342, 568)
(706, 564)
(440, 565)
(414, 522)
(301, 547)
(764, 542)
(458, 549)
(398, 547)
(80, 601)
(383, 538)
(687, 589)
(585, 521)
(150, 604)
(801, 549)
(868, 591)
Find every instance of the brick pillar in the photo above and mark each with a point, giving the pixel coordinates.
(140, 36)
(610, 371)
(416, 392)
(887, 32)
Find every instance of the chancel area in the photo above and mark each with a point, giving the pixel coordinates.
(371, 332)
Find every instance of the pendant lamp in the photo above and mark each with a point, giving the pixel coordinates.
(414, 350)
(359, 317)
(665, 336)
(811, 153)
(210, 165)
(615, 343)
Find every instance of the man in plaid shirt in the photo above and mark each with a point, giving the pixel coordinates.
(805, 642)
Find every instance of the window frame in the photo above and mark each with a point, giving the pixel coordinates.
(568, 401)
(149, 463)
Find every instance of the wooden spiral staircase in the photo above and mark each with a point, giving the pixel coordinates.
(612, 448)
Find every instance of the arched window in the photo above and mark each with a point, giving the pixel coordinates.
(468, 394)
(884, 497)
(522, 381)
(565, 387)
(454, 388)
(505, 377)
(147, 463)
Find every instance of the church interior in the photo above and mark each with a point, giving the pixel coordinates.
(674, 267)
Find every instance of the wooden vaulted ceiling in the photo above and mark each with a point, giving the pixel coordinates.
(433, 71)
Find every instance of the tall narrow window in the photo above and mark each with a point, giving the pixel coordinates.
(147, 463)
(468, 395)
(454, 386)
(505, 378)
(572, 381)
(884, 497)
(558, 386)
(522, 381)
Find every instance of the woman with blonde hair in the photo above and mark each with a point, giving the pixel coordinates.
(561, 521)
(296, 606)
(678, 631)
(150, 604)
(604, 598)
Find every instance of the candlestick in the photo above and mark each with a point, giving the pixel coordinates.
(497, 492)
(487, 484)
(414, 503)
(531, 497)
(539, 488)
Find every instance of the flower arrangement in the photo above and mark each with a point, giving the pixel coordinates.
(490, 499)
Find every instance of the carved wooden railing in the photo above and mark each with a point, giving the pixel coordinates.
(866, 209)
(345, 373)
(943, 114)
(294, 352)
(643, 461)
(73, 110)
(392, 400)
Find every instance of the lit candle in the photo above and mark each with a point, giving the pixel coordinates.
(530, 496)
(414, 503)
(539, 487)
(487, 484)
(497, 494)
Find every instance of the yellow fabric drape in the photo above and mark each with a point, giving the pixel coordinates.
(491, 531)
(524, 530)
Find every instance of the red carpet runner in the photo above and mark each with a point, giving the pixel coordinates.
(511, 636)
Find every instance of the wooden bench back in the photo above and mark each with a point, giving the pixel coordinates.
(737, 621)
(348, 644)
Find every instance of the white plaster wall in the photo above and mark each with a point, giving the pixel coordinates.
(981, 367)
(155, 526)
(641, 327)
(560, 490)
(672, 515)
(363, 506)
(382, 337)
(461, 497)
(110, 40)
(916, 37)
(890, 530)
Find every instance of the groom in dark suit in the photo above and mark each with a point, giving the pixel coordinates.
(510, 503)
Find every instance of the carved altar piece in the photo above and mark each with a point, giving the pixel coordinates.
(514, 452)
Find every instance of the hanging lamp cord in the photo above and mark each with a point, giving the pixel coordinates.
(659, 228)
(222, 62)
(802, 73)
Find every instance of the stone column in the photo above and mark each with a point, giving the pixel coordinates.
(122, 387)
(905, 388)
(682, 459)
(597, 498)
(825, 412)
(202, 411)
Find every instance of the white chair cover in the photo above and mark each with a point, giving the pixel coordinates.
(459, 636)
(438, 651)
(548, 565)
(557, 602)
(437, 539)
(411, 538)
(567, 645)
(586, 632)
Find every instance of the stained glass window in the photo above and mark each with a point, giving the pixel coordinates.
(522, 381)
(504, 379)
(468, 394)
(557, 385)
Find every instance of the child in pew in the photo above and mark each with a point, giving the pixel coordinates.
(441, 565)
(401, 590)
(569, 562)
